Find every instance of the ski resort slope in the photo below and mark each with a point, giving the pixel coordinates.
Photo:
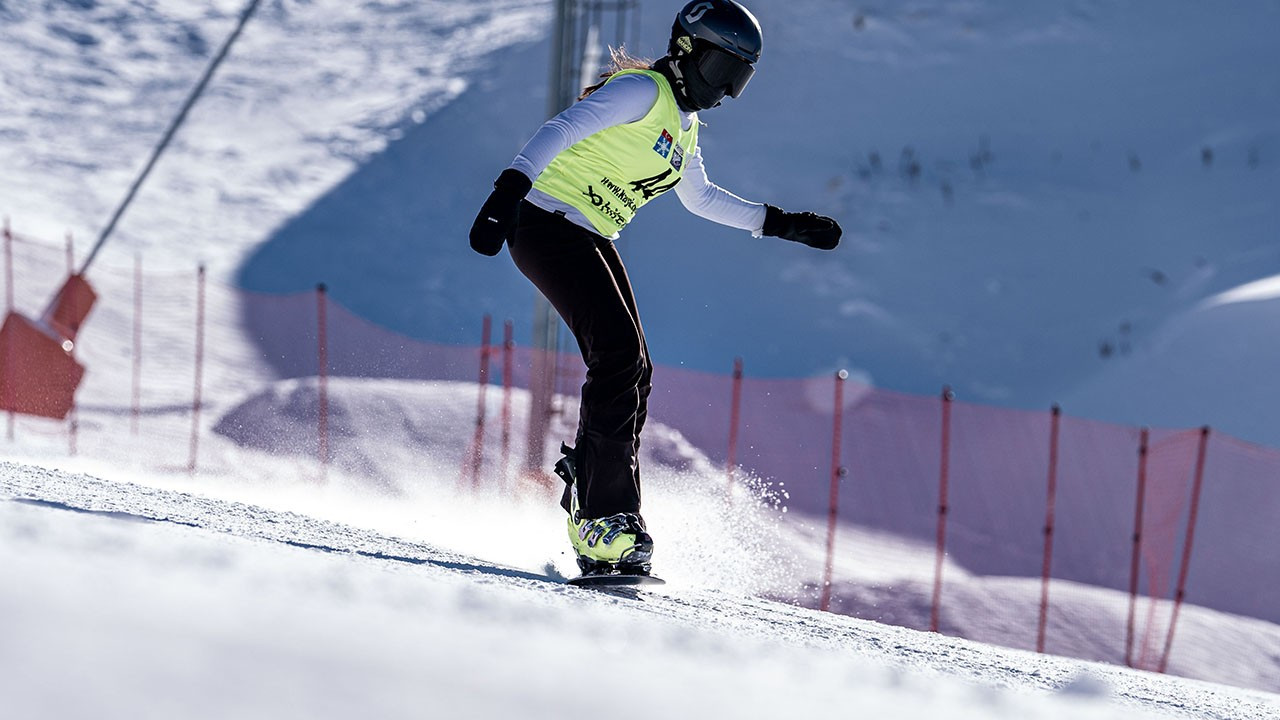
(126, 601)
(253, 589)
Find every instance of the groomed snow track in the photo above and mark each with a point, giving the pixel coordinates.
(149, 601)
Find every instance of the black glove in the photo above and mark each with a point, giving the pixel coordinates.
(499, 213)
(816, 231)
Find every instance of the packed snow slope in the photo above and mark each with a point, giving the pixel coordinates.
(399, 468)
(159, 603)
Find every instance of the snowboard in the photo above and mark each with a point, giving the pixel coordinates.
(614, 580)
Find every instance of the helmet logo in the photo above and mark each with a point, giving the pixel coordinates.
(698, 11)
(686, 43)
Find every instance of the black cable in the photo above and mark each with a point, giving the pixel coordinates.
(173, 129)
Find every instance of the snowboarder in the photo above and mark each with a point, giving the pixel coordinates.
(577, 182)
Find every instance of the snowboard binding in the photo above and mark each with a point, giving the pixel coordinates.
(595, 571)
(603, 574)
(592, 567)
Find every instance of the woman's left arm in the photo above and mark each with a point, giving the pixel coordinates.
(706, 199)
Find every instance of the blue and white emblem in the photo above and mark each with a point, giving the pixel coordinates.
(663, 146)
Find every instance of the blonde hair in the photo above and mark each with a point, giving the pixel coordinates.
(619, 60)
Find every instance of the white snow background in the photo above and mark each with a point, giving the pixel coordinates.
(250, 590)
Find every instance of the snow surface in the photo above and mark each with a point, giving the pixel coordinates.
(398, 471)
(159, 603)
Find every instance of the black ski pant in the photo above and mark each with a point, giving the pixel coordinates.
(582, 275)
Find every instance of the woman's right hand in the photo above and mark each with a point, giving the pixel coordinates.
(498, 215)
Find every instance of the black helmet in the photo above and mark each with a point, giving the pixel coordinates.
(716, 44)
(722, 23)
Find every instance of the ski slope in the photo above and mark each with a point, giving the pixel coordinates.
(160, 603)
(397, 472)
(254, 589)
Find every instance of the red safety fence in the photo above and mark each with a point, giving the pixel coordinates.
(960, 498)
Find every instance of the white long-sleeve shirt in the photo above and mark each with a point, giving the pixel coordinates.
(620, 101)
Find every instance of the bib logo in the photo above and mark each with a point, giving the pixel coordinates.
(677, 157)
(697, 12)
(652, 187)
(605, 207)
(663, 146)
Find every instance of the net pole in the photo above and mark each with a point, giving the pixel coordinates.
(944, 472)
(322, 365)
(735, 411)
(508, 379)
(73, 419)
(199, 373)
(1135, 561)
(837, 472)
(476, 457)
(8, 301)
(1048, 527)
(1186, 547)
(8, 266)
(135, 415)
